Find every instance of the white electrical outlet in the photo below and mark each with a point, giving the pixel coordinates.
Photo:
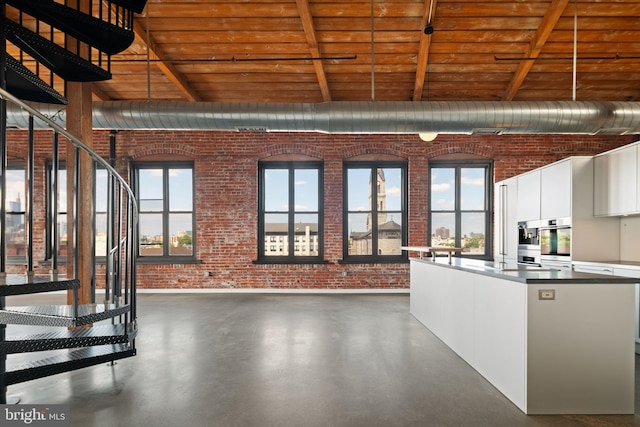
(546, 294)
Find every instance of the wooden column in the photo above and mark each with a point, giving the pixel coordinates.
(80, 124)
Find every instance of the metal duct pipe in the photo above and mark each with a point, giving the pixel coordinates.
(546, 117)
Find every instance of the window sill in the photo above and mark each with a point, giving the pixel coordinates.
(402, 260)
(167, 260)
(290, 261)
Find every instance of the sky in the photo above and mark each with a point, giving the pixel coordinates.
(306, 193)
(472, 198)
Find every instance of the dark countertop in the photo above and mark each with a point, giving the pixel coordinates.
(525, 274)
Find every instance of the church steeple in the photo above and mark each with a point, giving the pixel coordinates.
(381, 199)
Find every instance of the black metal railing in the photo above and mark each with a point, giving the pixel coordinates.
(122, 215)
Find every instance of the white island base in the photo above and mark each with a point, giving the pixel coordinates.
(573, 354)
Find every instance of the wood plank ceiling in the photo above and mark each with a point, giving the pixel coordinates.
(310, 51)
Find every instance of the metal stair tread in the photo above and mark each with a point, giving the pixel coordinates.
(62, 62)
(24, 84)
(69, 361)
(23, 285)
(55, 340)
(100, 34)
(60, 315)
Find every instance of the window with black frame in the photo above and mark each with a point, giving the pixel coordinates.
(460, 206)
(375, 203)
(290, 226)
(166, 211)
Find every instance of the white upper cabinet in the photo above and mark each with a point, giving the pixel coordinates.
(616, 182)
(529, 196)
(555, 184)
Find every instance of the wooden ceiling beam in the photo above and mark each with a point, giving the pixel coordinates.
(97, 91)
(160, 61)
(312, 41)
(549, 21)
(425, 46)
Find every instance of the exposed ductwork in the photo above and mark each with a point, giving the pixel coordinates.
(548, 117)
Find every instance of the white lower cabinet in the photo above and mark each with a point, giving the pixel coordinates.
(632, 272)
(593, 268)
(616, 270)
(566, 355)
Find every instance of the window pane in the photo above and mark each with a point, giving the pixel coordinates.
(443, 189)
(101, 234)
(62, 235)
(101, 190)
(306, 235)
(15, 219)
(359, 234)
(390, 189)
(180, 190)
(390, 237)
(359, 190)
(15, 190)
(472, 189)
(62, 191)
(150, 189)
(473, 224)
(306, 190)
(443, 229)
(276, 239)
(15, 234)
(151, 234)
(276, 190)
(180, 234)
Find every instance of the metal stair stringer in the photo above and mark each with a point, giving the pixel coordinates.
(62, 62)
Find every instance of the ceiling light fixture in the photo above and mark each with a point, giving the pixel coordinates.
(428, 136)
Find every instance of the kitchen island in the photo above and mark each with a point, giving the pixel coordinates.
(551, 341)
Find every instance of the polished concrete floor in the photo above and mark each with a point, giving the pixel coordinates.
(283, 360)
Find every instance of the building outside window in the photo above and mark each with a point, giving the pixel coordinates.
(166, 204)
(100, 207)
(459, 206)
(290, 212)
(15, 211)
(375, 200)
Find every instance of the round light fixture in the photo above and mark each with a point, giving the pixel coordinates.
(428, 136)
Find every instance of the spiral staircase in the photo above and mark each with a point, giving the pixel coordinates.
(55, 42)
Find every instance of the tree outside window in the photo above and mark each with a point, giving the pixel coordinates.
(166, 206)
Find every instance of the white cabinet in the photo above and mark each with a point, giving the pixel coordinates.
(632, 272)
(529, 196)
(616, 182)
(593, 268)
(555, 190)
(571, 354)
(506, 223)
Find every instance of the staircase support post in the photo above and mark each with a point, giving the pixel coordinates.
(80, 124)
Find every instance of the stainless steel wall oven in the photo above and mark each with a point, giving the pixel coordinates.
(555, 240)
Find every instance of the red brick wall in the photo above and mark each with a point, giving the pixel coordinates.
(226, 178)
